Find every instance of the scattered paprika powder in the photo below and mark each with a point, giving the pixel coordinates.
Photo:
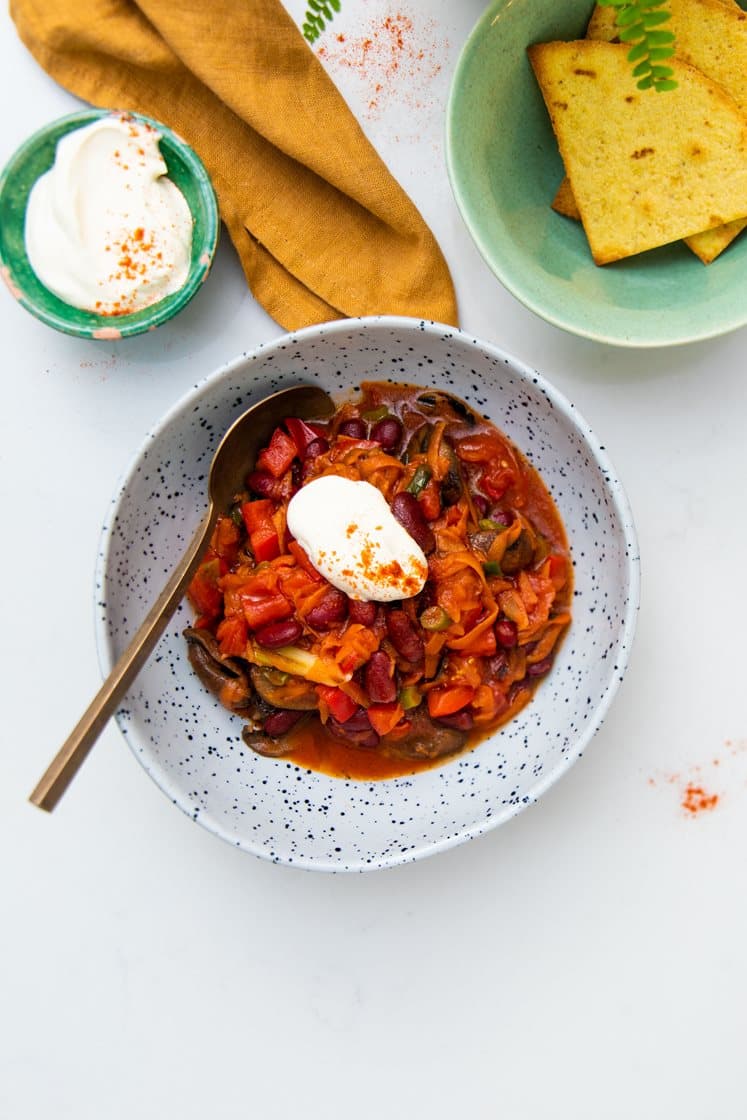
(392, 57)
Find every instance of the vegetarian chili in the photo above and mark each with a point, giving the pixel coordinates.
(370, 689)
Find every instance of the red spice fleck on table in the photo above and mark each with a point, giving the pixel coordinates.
(696, 800)
(694, 790)
(694, 787)
(390, 52)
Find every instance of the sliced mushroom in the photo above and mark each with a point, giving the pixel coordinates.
(483, 539)
(436, 398)
(427, 739)
(264, 744)
(291, 692)
(223, 676)
(519, 554)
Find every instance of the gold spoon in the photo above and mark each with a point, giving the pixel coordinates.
(233, 459)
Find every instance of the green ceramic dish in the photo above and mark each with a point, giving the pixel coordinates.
(34, 158)
(505, 167)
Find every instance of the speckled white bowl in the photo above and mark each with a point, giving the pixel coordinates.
(192, 747)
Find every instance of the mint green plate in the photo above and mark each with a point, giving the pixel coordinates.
(505, 167)
(36, 156)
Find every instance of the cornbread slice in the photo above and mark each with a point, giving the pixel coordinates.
(712, 36)
(707, 245)
(603, 22)
(645, 168)
(565, 201)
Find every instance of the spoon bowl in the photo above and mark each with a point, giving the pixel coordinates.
(233, 459)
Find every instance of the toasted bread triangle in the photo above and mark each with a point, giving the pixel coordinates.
(646, 168)
(712, 36)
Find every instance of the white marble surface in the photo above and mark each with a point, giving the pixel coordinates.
(587, 960)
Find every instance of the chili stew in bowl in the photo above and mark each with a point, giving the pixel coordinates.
(281, 809)
(386, 681)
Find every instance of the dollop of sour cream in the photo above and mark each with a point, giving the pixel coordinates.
(352, 538)
(106, 229)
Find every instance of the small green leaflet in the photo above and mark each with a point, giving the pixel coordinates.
(639, 22)
(317, 13)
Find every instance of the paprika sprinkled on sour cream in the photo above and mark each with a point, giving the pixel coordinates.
(352, 538)
(106, 230)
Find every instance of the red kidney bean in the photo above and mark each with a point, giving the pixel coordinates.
(280, 722)
(368, 738)
(317, 447)
(357, 722)
(506, 633)
(387, 432)
(354, 427)
(406, 509)
(361, 612)
(378, 678)
(404, 637)
(539, 668)
(462, 721)
(356, 730)
(273, 635)
(331, 609)
(262, 483)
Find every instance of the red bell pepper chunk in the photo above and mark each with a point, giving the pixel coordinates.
(303, 561)
(278, 455)
(301, 434)
(261, 607)
(263, 536)
(256, 514)
(203, 591)
(226, 539)
(232, 635)
(449, 699)
(338, 702)
(265, 543)
(496, 480)
(430, 501)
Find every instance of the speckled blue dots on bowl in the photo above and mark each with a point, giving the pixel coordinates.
(192, 747)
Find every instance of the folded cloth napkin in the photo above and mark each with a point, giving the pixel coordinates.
(322, 229)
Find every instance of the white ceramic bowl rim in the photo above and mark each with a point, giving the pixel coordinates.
(616, 494)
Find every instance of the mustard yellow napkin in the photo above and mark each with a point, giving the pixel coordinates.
(322, 229)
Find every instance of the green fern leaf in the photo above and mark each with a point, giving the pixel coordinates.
(639, 22)
(318, 14)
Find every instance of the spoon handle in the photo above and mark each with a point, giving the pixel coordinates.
(68, 760)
